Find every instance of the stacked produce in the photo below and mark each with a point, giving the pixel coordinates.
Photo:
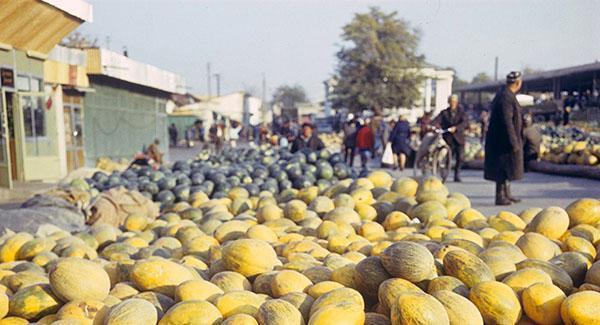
(569, 145)
(332, 141)
(368, 250)
(474, 151)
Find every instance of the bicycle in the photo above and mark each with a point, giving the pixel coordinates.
(434, 156)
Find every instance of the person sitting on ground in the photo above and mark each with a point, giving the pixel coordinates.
(154, 153)
(307, 140)
(532, 140)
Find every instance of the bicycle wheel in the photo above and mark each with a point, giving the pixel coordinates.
(442, 162)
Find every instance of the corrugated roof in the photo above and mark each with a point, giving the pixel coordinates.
(563, 72)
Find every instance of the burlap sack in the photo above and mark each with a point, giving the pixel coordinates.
(113, 206)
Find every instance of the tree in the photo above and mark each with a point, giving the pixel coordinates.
(457, 81)
(80, 41)
(288, 96)
(481, 77)
(378, 65)
(530, 70)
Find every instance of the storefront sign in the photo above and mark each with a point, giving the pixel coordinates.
(7, 76)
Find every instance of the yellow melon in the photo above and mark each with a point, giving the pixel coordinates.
(551, 222)
(34, 302)
(581, 308)
(192, 312)
(10, 249)
(240, 256)
(91, 312)
(467, 267)
(542, 302)
(231, 281)
(497, 302)
(523, 278)
(3, 305)
(278, 312)
(409, 261)
(66, 277)
(418, 308)
(288, 281)
(160, 275)
(584, 211)
(238, 302)
(240, 319)
(448, 283)
(460, 309)
(391, 289)
(132, 311)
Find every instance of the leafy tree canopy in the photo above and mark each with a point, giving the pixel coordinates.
(378, 63)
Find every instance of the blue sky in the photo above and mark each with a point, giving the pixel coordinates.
(294, 42)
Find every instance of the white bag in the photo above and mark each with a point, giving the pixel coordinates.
(388, 155)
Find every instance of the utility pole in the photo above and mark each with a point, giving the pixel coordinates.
(108, 42)
(264, 97)
(496, 69)
(208, 79)
(218, 78)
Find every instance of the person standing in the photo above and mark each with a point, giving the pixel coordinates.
(400, 139)
(234, 133)
(365, 141)
(532, 140)
(454, 119)
(349, 140)
(307, 140)
(173, 135)
(425, 123)
(504, 145)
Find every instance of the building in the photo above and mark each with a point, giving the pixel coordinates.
(127, 108)
(31, 124)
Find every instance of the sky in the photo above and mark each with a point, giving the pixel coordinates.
(294, 42)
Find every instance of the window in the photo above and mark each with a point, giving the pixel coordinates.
(23, 83)
(34, 117)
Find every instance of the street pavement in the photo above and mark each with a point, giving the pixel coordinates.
(536, 189)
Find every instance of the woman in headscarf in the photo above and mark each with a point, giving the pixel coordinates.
(400, 139)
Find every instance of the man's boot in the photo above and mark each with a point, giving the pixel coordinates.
(507, 193)
(457, 173)
(501, 198)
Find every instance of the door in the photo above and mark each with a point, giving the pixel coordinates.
(34, 137)
(73, 121)
(5, 161)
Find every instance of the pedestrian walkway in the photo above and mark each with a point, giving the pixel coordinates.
(21, 192)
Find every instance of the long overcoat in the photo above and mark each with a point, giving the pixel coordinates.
(504, 144)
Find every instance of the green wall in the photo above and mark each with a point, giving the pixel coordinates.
(182, 123)
(119, 121)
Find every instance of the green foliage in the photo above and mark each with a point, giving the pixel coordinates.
(378, 63)
(288, 96)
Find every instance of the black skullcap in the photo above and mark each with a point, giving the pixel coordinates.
(513, 76)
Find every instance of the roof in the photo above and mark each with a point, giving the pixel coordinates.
(115, 65)
(536, 76)
(37, 26)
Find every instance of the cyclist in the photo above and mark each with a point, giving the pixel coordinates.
(454, 120)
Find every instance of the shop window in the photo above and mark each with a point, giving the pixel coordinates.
(23, 83)
(34, 118)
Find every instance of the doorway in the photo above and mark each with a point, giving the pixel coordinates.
(73, 121)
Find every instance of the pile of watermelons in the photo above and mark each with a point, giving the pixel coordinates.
(255, 169)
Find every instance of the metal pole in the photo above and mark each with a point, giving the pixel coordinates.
(496, 69)
(218, 77)
(208, 79)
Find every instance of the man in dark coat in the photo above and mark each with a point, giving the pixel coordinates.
(307, 140)
(504, 145)
(454, 120)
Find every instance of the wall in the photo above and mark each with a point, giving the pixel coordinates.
(120, 119)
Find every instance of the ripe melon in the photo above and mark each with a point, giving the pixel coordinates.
(337, 296)
(192, 312)
(528, 214)
(418, 308)
(288, 281)
(467, 267)
(409, 261)
(429, 211)
(240, 256)
(160, 275)
(551, 222)
(278, 312)
(132, 311)
(537, 246)
(584, 211)
(269, 212)
(560, 277)
(581, 308)
(496, 302)
(322, 288)
(34, 302)
(391, 289)
(231, 281)
(380, 178)
(340, 313)
(542, 302)
(10, 249)
(448, 283)
(3, 305)
(197, 289)
(460, 309)
(523, 278)
(238, 302)
(91, 312)
(406, 187)
(370, 274)
(240, 319)
(302, 301)
(161, 302)
(66, 280)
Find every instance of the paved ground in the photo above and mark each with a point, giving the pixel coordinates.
(536, 189)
